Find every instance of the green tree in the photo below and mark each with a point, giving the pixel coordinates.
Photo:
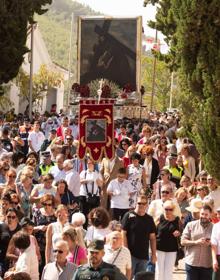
(192, 30)
(14, 18)
(43, 81)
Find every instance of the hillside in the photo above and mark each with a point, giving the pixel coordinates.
(55, 29)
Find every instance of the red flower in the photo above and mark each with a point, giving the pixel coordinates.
(124, 95)
(76, 87)
(106, 91)
(84, 91)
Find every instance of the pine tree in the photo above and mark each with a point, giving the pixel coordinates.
(192, 30)
(14, 18)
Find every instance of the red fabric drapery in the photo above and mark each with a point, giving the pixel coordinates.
(96, 129)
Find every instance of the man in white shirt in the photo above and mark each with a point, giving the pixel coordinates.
(120, 191)
(72, 177)
(117, 254)
(35, 138)
(57, 171)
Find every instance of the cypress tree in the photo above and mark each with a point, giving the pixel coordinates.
(14, 18)
(192, 30)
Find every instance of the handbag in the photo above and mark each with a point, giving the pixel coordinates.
(91, 198)
(180, 251)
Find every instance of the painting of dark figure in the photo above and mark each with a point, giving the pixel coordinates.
(108, 49)
(95, 130)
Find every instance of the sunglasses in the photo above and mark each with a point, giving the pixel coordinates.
(12, 217)
(203, 179)
(69, 139)
(58, 251)
(47, 204)
(165, 192)
(12, 176)
(141, 203)
(201, 189)
(168, 209)
(6, 169)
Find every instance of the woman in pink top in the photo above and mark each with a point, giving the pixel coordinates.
(77, 254)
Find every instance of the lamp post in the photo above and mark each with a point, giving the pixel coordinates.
(31, 71)
(153, 77)
(69, 64)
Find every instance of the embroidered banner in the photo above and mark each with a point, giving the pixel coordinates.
(96, 129)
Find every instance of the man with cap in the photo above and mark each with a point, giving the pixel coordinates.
(46, 164)
(175, 170)
(97, 269)
(215, 243)
(196, 238)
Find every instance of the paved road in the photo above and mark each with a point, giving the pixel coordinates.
(180, 274)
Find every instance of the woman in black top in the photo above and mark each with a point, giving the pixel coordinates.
(7, 230)
(167, 244)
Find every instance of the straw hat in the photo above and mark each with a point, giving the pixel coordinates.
(195, 205)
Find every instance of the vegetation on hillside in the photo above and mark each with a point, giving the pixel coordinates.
(55, 27)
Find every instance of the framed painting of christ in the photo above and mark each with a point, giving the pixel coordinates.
(109, 48)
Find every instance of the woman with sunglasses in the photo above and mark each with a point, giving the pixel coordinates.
(124, 145)
(7, 230)
(168, 232)
(5, 204)
(54, 231)
(4, 168)
(10, 184)
(24, 189)
(45, 188)
(42, 218)
(164, 180)
(156, 206)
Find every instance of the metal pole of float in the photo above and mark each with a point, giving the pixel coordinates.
(31, 72)
(171, 90)
(153, 77)
(69, 64)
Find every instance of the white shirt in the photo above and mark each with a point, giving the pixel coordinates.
(92, 177)
(121, 193)
(57, 173)
(120, 258)
(96, 233)
(215, 195)
(215, 237)
(36, 139)
(28, 262)
(73, 181)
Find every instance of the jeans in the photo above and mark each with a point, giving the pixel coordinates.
(138, 265)
(165, 264)
(198, 273)
(216, 275)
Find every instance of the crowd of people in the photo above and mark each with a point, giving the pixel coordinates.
(130, 217)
